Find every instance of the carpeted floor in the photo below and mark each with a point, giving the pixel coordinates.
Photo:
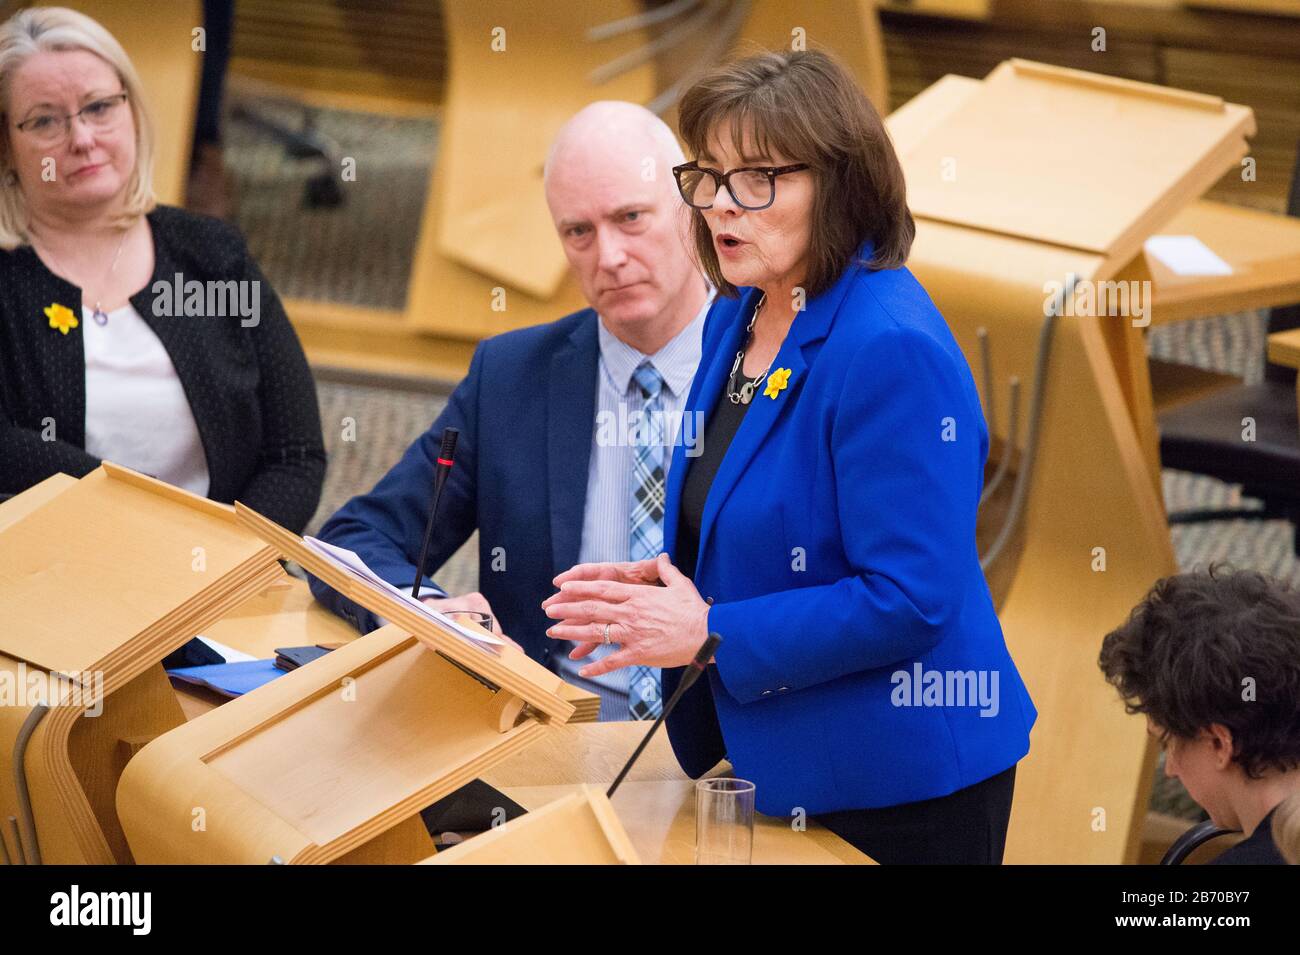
(360, 254)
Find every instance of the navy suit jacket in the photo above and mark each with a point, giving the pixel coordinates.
(525, 413)
(838, 546)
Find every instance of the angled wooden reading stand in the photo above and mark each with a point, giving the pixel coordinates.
(1037, 175)
(323, 763)
(580, 828)
(99, 580)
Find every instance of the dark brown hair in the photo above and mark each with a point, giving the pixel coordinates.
(807, 107)
(1184, 654)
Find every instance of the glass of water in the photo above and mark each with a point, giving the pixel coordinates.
(479, 618)
(724, 821)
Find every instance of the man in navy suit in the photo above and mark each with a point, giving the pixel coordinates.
(566, 429)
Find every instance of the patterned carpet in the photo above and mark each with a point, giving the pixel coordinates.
(360, 254)
(1232, 344)
(387, 421)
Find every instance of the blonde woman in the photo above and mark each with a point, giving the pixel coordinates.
(130, 331)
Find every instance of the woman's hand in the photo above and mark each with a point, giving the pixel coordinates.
(627, 572)
(655, 614)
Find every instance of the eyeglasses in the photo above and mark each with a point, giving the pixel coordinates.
(51, 128)
(752, 187)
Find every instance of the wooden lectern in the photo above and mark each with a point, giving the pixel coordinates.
(1042, 175)
(332, 762)
(99, 580)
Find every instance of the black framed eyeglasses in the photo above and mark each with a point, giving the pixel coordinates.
(51, 128)
(751, 187)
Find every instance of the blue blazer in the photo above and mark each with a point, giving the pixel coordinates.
(838, 546)
(525, 412)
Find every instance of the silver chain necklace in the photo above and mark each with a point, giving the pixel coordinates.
(98, 314)
(748, 389)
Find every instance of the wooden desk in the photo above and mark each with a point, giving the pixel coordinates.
(1262, 248)
(588, 753)
(1284, 349)
(656, 804)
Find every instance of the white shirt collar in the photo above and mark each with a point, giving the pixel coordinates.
(676, 361)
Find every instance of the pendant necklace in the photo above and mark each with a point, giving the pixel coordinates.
(97, 313)
(747, 390)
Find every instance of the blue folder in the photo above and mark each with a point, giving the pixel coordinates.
(229, 679)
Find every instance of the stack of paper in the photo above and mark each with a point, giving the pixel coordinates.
(348, 560)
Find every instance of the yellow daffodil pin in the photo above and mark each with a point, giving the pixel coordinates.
(61, 317)
(776, 382)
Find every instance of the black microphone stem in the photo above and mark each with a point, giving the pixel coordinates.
(441, 468)
(692, 674)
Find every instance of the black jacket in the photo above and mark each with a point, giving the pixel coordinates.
(1256, 849)
(249, 388)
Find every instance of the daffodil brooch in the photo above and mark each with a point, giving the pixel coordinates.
(61, 317)
(776, 382)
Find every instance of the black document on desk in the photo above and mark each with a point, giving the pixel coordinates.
(475, 807)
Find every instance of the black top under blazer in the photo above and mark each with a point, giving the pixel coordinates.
(249, 388)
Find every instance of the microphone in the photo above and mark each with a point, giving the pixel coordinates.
(440, 472)
(692, 674)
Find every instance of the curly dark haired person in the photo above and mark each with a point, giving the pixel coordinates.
(1213, 661)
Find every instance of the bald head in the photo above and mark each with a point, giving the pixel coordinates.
(610, 189)
(616, 137)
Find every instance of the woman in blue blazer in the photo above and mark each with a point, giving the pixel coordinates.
(827, 529)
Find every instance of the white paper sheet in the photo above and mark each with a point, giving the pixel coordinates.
(349, 561)
(230, 653)
(1186, 255)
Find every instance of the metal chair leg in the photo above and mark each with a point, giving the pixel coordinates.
(986, 375)
(1009, 448)
(19, 856)
(1021, 491)
(24, 827)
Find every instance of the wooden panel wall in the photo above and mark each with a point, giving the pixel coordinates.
(392, 48)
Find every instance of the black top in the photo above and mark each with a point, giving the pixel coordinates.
(723, 424)
(718, 434)
(249, 388)
(1257, 849)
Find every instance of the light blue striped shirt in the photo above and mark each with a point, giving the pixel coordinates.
(607, 516)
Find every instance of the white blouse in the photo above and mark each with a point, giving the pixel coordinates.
(137, 414)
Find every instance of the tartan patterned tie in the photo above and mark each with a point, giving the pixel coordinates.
(645, 701)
